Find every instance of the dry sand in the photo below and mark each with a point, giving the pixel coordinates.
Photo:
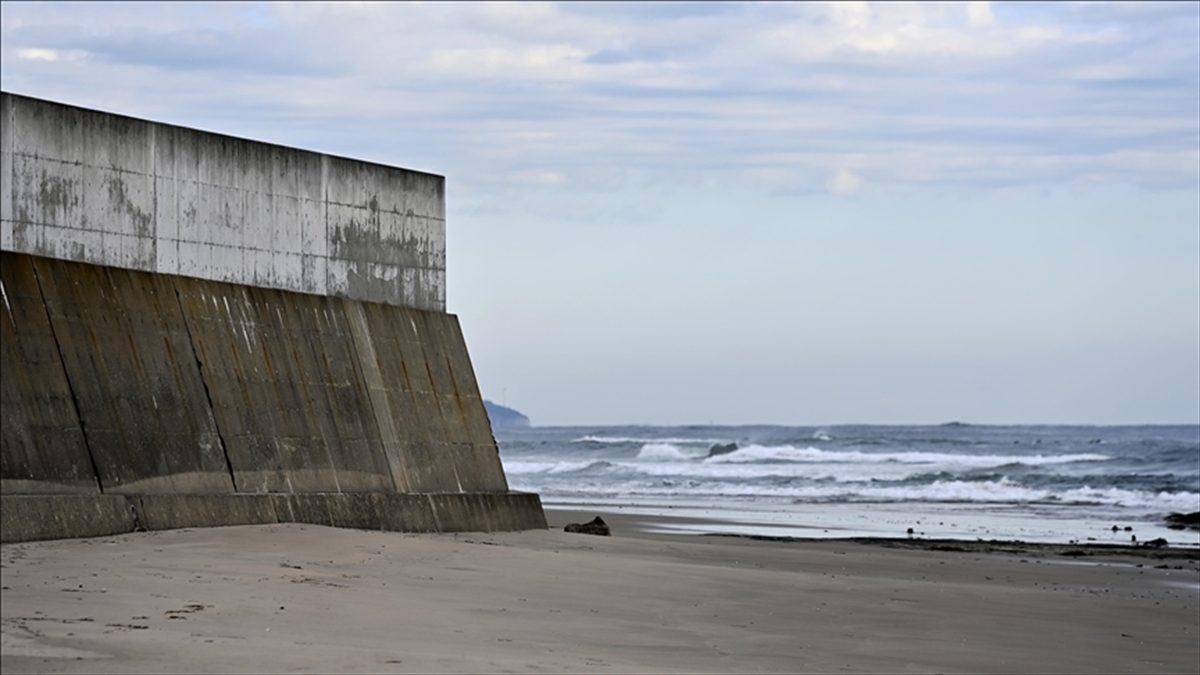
(316, 599)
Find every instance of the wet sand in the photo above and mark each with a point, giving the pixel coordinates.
(303, 598)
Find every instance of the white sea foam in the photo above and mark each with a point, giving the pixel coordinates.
(1010, 481)
(1167, 501)
(735, 472)
(632, 439)
(788, 453)
(668, 452)
(975, 492)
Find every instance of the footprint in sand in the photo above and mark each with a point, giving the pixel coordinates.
(187, 609)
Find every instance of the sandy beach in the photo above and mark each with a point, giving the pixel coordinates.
(302, 598)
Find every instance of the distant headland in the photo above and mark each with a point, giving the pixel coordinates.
(503, 416)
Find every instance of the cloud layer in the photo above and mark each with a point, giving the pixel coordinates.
(737, 212)
(590, 96)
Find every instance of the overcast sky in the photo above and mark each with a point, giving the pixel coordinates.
(737, 213)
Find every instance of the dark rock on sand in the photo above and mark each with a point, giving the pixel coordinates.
(720, 449)
(1156, 543)
(594, 526)
(1183, 521)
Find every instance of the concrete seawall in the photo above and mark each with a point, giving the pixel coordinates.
(157, 387)
(203, 330)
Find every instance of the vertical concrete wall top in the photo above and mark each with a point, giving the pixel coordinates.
(89, 186)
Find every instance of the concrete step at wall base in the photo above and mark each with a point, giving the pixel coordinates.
(39, 517)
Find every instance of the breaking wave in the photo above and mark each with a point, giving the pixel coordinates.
(667, 452)
(633, 439)
(788, 453)
(946, 492)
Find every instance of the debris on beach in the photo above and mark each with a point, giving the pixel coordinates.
(1183, 521)
(595, 526)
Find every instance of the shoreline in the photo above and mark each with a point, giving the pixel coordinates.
(646, 526)
(306, 598)
(1014, 547)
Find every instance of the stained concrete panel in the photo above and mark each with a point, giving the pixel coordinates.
(266, 450)
(107, 189)
(363, 510)
(493, 512)
(34, 517)
(328, 355)
(42, 448)
(37, 517)
(409, 394)
(467, 436)
(129, 361)
(289, 400)
(307, 394)
(443, 442)
(6, 172)
(166, 512)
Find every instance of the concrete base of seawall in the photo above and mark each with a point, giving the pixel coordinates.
(37, 517)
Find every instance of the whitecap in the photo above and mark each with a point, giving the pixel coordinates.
(993, 492)
(788, 453)
(665, 452)
(637, 439)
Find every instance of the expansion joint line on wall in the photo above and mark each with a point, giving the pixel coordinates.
(212, 410)
(62, 359)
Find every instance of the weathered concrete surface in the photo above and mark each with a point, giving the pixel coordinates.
(208, 403)
(288, 401)
(167, 512)
(40, 434)
(135, 379)
(490, 511)
(228, 332)
(35, 517)
(443, 441)
(111, 190)
(183, 386)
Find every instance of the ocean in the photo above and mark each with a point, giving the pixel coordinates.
(1057, 484)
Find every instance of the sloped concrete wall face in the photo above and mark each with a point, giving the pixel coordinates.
(41, 438)
(132, 383)
(110, 190)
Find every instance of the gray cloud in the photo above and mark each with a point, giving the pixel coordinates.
(793, 193)
(741, 92)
